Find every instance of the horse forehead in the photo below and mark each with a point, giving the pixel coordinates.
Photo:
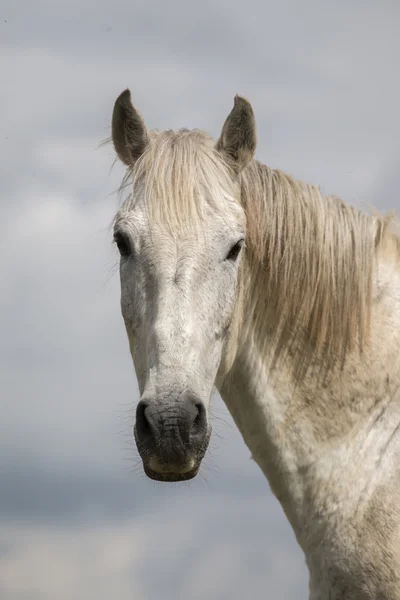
(178, 247)
(210, 228)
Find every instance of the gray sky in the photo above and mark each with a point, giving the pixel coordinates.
(77, 518)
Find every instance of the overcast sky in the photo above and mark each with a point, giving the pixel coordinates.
(77, 518)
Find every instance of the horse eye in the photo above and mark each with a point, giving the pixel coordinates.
(234, 251)
(122, 244)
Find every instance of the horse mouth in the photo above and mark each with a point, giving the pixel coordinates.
(170, 476)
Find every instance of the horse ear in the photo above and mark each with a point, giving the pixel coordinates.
(129, 133)
(238, 137)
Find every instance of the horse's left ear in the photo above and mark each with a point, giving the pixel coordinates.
(129, 133)
(238, 137)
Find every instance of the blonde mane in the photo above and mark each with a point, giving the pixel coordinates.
(176, 174)
(316, 256)
(310, 257)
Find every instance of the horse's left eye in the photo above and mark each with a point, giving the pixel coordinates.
(234, 251)
(122, 244)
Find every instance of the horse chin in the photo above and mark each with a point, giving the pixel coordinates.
(170, 476)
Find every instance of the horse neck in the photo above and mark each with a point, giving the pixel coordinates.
(302, 432)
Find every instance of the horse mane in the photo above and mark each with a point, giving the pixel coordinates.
(311, 255)
(175, 174)
(315, 255)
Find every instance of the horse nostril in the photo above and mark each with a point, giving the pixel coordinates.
(194, 421)
(143, 426)
(200, 420)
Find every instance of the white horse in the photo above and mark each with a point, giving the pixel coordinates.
(237, 276)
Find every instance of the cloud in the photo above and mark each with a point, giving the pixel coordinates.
(200, 550)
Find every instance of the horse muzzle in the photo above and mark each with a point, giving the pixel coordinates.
(172, 437)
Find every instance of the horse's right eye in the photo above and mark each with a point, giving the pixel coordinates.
(234, 251)
(122, 244)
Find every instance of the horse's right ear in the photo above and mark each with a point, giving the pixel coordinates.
(238, 138)
(129, 133)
